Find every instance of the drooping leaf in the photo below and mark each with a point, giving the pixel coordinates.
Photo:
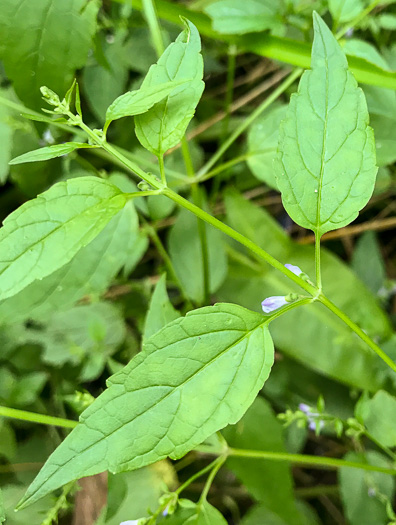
(140, 101)
(345, 10)
(340, 355)
(193, 377)
(43, 43)
(263, 144)
(267, 481)
(45, 233)
(326, 168)
(160, 312)
(186, 255)
(90, 272)
(359, 489)
(234, 17)
(164, 125)
(49, 152)
(379, 418)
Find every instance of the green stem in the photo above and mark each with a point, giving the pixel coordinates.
(312, 461)
(358, 331)
(247, 122)
(37, 418)
(197, 475)
(197, 199)
(155, 30)
(386, 449)
(317, 491)
(162, 169)
(219, 463)
(317, 263)
(358, 19)
(221, 167)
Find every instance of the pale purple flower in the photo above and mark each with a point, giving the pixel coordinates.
(295, 269)
(165, 512)
(314, 424)
(371, 492)
(304, 408)
(130, 522)
(273, 303)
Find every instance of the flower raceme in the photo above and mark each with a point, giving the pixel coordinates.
(277, 301)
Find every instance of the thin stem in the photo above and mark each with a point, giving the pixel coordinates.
(317, 263)
(220, 462)
(155, 30)
(221, 167)
(162, 169)
(198, 475)
(23, 415)
(247, 122)
(358, 331)
(386, 449)
(61, 503)
(197, 199)
(312, 461)
(316, 491)
(357, 19)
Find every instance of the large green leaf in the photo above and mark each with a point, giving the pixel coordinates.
(326, 168)
(269, 482)
(186, 255)
(340, 355)
(234, 17)
(193, 377)
(89, 273)
(359, 489)
(43, 43)
(164, 125)
(45, 233)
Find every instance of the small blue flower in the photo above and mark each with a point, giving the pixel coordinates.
(130, 522)
(371, 492)
(295, 269)
(304, 408)
(165, 512)
(273, 303)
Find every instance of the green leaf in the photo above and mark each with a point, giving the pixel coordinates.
(345, 10)
(326, 170)
(6, 136)
(368, 263)
(186, 255)
(193, 377)
(2, 511)
(45, 233)
(164, 125)
(379, 418)
(43, 43)
(160, 312)
(188, 513)
(269, 482)
(263, 144)
(234, 17)
(102, 83)
(90, 272)
(340, 355)
(360, 503)
(365, 50)
(49, 152)
(141, 100)
(260, 515)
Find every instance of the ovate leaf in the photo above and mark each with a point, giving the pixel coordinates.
(46, 232)
(345, 10)
(49, 152)
(43, 43)
(326, 169)
(262, 145)
(140, 101)
(235, 17)
(163, 126)
(379, 418)
(359, 489)
(193, 377)
(188, 513)
(161, 311)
